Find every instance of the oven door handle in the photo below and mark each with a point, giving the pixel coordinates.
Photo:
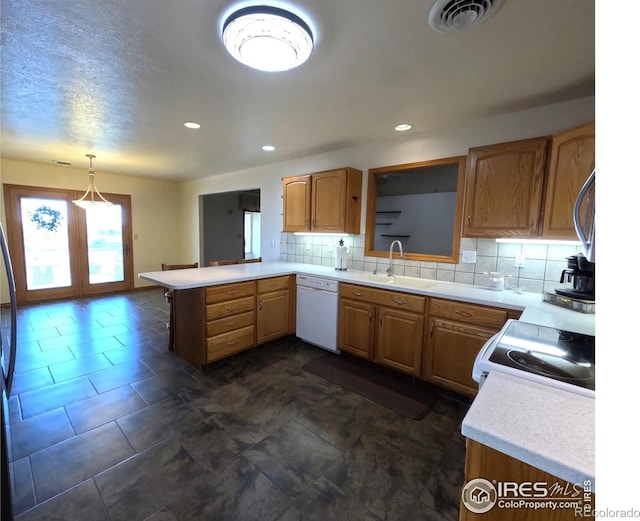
(476, 373)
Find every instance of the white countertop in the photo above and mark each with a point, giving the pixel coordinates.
(534, 309)
(547, 428)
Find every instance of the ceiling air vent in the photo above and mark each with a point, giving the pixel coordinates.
(457, 15)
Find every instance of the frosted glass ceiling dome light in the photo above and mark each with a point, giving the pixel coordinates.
(267, 38)
(92, 197)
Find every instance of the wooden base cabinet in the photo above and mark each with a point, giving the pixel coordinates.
(452, 350)
(386, 327)
(215, 322)
(456, 333)
(273, 308)
(494, 466)
(399, 340)
(356, 327)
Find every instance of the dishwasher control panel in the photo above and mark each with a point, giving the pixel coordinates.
(317, 283)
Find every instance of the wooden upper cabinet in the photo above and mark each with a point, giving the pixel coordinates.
(296, 194)
(572, 161)
(323, 202)
(504, 188)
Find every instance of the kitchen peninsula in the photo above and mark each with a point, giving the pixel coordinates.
(557, 439)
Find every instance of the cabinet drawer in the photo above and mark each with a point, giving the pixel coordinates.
(470, 313)
(229, 292)
(232, 307)
(392, 299)
(273, 284)
(224, 325)
(228, 344)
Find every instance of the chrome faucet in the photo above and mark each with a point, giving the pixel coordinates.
(390, 268)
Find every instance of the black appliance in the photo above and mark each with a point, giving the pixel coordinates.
(7, 361)
(582, 275)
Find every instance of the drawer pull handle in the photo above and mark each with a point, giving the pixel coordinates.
(232, 342)
(274, 284)
(357, 293)
(370, 315)
(400, 301)
(232, 308)
(231, 291)
(232, 323)
(464, 313)
(381, 317)
(260, 306)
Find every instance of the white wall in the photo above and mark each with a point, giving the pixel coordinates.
(399, 149)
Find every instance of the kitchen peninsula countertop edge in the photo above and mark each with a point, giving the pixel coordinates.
(533, 309)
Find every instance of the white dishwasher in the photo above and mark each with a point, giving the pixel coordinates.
(317, 311)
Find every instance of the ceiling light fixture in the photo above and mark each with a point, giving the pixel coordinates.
(268, 148)
(89, 198)
(267, 38)
(191, 124)
(403, 127)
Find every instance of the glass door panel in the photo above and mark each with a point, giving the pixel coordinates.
(45, 233)
(105, 244)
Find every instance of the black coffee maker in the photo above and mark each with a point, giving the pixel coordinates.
(580, 277)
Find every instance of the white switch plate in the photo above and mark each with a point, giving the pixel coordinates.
(469, 256)
(519, 260)
(272, 243)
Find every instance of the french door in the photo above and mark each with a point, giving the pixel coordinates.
(60, 250)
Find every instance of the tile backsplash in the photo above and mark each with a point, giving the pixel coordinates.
(541, 272)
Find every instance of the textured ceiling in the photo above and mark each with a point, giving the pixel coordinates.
(118, 78)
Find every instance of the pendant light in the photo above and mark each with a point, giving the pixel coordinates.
(92, 197)
(267, 38)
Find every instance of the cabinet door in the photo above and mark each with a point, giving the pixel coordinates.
(399, 340)
(573, 158)
(328, 201)
(452, 348)
(296, 195)
(356, 327)
(503, 194)
(273, 315)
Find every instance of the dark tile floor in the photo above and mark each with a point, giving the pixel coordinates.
(106, 424)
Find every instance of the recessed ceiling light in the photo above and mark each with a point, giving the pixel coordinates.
(268, 148)
(403, 127)
(191, 124)
(267, 38)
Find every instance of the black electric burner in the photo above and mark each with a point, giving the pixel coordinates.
(547, 352)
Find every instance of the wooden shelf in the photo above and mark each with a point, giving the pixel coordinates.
(392, 235)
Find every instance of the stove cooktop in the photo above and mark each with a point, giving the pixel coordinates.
(544, 353)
